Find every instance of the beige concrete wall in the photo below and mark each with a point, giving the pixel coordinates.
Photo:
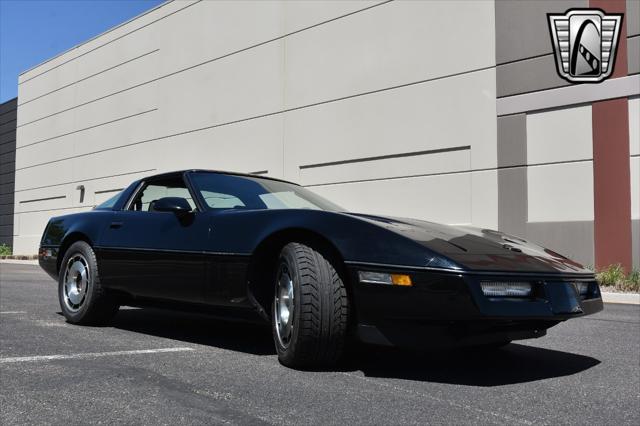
(276, 86)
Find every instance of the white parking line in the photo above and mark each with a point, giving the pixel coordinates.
(91, 355)
(13, 312)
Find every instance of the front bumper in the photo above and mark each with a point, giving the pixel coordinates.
(450, 309)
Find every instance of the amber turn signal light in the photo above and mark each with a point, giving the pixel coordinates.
(403, 280)
(370, 277)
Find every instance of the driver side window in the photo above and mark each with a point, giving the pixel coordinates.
(154, 190)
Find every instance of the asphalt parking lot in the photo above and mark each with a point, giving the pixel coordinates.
(156, 367)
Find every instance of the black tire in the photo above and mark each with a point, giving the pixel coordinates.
(95, 305)
(320, 309)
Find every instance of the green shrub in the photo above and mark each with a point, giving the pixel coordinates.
(5, 250)
(611, 275)
(632, 283)
(614, 276)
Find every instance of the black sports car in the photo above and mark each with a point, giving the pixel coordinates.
(257, 248)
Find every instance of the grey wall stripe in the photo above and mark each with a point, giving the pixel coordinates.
(35, 200)
(633, 17)
(385, 157)
(105, 191)
(633, 54)
(512, 140)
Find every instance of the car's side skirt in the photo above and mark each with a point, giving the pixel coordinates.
(211, 278)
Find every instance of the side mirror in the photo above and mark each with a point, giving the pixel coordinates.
(177, 205)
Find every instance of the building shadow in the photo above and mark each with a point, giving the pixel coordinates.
(515, 363)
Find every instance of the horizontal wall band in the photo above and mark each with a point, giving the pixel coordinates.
(55, 209)
(102, 45)
(487, 169)
(569, 95)
(88, 77)
(173, 73)
(106, 191)
(385, 157)
(35, 200)
(86, 180)
(86, 128)
(269, 114)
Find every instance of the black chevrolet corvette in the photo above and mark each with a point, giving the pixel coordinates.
(256, 248)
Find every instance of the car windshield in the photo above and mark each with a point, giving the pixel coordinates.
(221, 191)
(108, 204)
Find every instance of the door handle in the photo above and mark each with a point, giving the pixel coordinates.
(115, 225)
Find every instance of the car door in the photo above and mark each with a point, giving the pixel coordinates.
(156, 254)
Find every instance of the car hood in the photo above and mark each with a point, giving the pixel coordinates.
(479, 249)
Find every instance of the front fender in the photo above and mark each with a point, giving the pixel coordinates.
(241, 231)
(62, 231)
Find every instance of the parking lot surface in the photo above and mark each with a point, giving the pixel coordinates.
(157, 367)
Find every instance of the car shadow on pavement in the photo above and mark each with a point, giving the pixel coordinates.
(515, 363)
(199, 329)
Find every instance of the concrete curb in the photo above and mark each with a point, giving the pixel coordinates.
(626, 298)
(19, 257)
(19, 262)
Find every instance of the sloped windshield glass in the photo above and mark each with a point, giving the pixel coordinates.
(221, 191)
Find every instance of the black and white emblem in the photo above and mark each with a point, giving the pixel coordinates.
(585, 43)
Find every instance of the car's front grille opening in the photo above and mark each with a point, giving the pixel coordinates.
(510, 289)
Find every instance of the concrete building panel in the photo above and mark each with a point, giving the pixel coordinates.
(418, 197)
(393, 122)
(552, 136)
(521, 27)
(394, 44)
(560, 192)
(573, 239)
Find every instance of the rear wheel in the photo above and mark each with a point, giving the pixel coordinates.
(82, 298)
(310, 309)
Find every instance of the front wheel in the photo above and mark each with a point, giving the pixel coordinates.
(310, 309)
(82, 298)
